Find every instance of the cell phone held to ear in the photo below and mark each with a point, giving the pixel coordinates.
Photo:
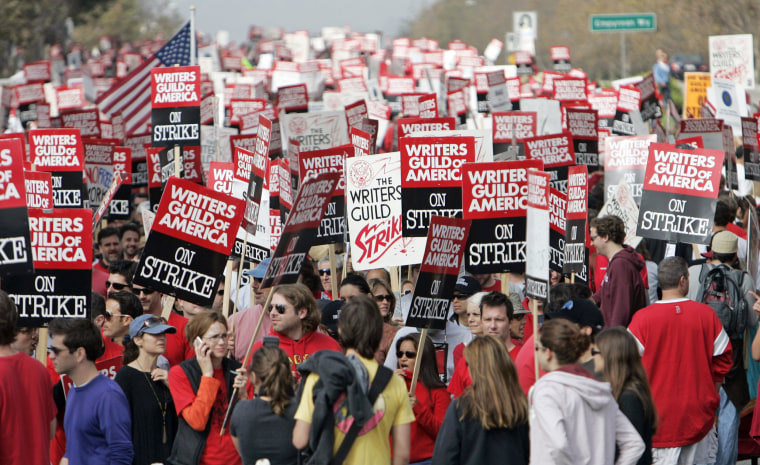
(271, 341)
(198, 342)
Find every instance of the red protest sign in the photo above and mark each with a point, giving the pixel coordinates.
(62, 238)
(293, 98)
(220, 175)
(12, 187)
(56, 149)
(85, 120)
(39, 189)
(569, 89)
(329, 160)
(361, 141)
(496, 189)
(428, 106)
(520, 124)
(554, 150)
(407, 126)
(240, 107)
(178, 86)
(355, 113)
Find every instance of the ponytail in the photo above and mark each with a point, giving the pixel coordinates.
(272, 367)
(565, 339)
(131, 351)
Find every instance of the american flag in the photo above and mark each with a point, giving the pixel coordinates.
(131, 95)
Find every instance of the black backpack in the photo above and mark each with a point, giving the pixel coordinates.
(721, 289)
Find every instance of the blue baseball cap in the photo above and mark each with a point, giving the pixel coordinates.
(260, 269)
(150, 324)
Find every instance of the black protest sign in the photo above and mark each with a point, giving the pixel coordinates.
(494, 197)
(576, 216)
(439, 271)
(557, 226)
(176, 106)
(537, 248)
(60, 151)
(119, 208)
(680, 193)
(333, 226)
(301, 229)
(14, 235)
(649, 106)
(583, 125)
(61, 244)
(431, 179)
(190, 242)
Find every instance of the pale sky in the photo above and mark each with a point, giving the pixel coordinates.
(235, 16)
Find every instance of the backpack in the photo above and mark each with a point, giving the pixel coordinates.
(721, 289)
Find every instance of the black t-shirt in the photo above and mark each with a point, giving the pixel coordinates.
(262, 434)
(147, 419)
(632, 407)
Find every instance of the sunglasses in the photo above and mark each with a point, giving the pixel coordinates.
(461, 297)
(408, 353)
(324, 272)
(56, 351)
(150, 323)
(381, 297)
(279, 307)
(144, 290)
(109, 316)
(117, 286)
(220, 292)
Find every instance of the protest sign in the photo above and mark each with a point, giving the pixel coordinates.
(605, 103)
(582, 124)
(38, 71)
(14, 235)
(439, 272)
(494, 197)
(537, 248)
(300, 229)
(750, 149)
(695, 93)
(293, 99)
(511, 127)
(249, 184)
(498, 97)
(576, 217)
(732, 59)
(648, 106)
(85, 120)
(710, 129)
(190, 242)
(556, 152)
(100, 210)
(560, 55)
(39, 189)
(361, 141)
(355, 113)
(61, 244)
(119, 208)
(625, 160)
(333, 224)
(569, 89)
(431, 179)
(406, 126)
(373, 209)
(557, 229)
(680, 193)
(629, 99)
(98, 164)
(241, 107)
(220, 175)
(60, 151)
(428, 105)
(316, 130)
(622, 204)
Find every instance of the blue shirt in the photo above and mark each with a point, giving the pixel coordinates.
(661, 73)
(98, 424)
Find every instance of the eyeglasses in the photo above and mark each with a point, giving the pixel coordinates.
(325, 272)
(56, 351)
(150, 323)
(381, 297)
(461, 297)
(144, 290)
(216, 337)
(595, 352)
(109, 316)
(279, 307)
(408, 353)
(117, 286)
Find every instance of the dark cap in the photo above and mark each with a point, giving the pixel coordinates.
(467, 285)
(581, 311)
(330, 313)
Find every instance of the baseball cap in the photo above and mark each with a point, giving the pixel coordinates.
(260, 269)
(581, 311)
(517, 305)
(723, 242)
(150, 324)
(467, 285)
(330, 314)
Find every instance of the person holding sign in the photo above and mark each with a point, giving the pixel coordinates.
(574, 418)
(429, 400)
(295, 319)
(154, 420)
(201, 388)
(622, 291)
(97, 421)
(478, 421)
(26, 402)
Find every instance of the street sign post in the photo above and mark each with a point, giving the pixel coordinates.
(622, 23)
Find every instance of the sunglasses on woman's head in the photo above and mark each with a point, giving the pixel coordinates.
(150, 323)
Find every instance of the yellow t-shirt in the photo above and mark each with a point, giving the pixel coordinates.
(391, 408)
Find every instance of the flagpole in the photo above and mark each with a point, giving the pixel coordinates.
(193, 51)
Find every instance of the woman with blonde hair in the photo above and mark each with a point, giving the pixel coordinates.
(261, 428)
(574, 418)
(478, 420)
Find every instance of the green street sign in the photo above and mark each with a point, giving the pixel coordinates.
(636, 22)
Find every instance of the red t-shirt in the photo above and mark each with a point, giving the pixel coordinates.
(429, 412)
(526, 370)
(496, 286)
(26, 409)
(99, 277)
(300, 350)
(178, 349)
(219, 450)
(461, 379)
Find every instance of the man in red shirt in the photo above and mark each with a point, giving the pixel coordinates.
(109, 246)
(295, 319)
(686, 354)
(26, 398)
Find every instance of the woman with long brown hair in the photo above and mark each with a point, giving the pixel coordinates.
(262, 427)
(491, 411)
(619, 361)
(574, 418)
